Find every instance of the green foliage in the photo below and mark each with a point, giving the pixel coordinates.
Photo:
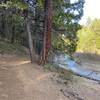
(89, 37)
(65, 22)
(14, 4)
(12, 24)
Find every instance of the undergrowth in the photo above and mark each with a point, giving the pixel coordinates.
(8, 48)
(63, 74)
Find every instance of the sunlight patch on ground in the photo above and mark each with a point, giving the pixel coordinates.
(23, 62)
(43, 76)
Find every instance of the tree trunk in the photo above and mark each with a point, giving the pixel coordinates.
(13, 31)
(13, 35)
(30, 41)
(47, 32)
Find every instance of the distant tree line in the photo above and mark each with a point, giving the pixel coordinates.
(89, 37)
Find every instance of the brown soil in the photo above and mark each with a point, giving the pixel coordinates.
(21, 80)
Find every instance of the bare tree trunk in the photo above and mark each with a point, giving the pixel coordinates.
(47, 32)
(30, 41)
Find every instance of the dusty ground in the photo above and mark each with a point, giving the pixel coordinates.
(20, 80)
(89, 61)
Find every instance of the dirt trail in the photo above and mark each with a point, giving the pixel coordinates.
(20, 80)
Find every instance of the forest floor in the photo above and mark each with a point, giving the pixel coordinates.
(21, 80)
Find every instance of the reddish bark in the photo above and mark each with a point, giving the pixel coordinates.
(47, 32)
